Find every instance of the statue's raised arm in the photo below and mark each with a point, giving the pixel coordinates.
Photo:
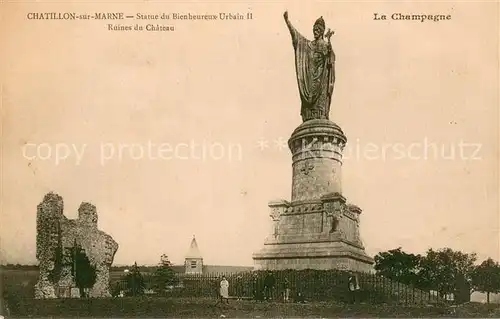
(293, 32)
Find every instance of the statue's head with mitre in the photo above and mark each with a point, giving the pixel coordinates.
(319, 28)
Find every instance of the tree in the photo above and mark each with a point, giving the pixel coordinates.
(398, 265)
(486, 277)
(83, 271)
(135, 282)
(447, 271)
(164, 275)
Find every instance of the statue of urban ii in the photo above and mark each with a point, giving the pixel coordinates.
(315, 69)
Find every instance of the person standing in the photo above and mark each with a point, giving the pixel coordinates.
(239, 287)
(268, 285)
(224, 289)
(286, 290)
(354, 288)
(257, 290)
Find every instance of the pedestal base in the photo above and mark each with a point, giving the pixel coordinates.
(317, 229)
(313, 255)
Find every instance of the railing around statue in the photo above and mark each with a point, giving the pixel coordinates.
(398, 292)
(306, 285)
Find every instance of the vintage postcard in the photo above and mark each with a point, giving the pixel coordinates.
(249, 158)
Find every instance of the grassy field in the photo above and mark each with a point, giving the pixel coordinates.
(207, 308)
(19, 285)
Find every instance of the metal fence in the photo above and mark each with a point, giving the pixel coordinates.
(305, 285)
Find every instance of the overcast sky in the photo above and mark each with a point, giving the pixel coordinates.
(406, 92)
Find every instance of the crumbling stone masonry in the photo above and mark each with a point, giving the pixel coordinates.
(58, 237)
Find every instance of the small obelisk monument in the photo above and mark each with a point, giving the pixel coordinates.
(317, 229)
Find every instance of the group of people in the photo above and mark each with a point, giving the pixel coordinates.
(264, 290)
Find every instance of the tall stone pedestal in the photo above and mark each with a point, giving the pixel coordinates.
(317, 229)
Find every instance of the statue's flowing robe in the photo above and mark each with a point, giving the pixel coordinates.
(314, 62)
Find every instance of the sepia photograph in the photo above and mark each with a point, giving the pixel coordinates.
(249, 159)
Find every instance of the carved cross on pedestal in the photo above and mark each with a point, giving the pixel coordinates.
(306, 168)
